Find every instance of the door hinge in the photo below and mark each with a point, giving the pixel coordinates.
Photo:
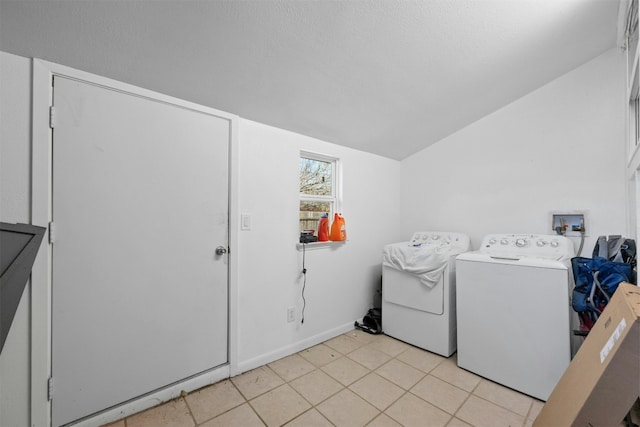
(50, 389)
(52, 117)
(52, 232)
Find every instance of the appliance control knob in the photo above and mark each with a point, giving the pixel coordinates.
(541, 243)
(436, 237)
(521, 243)
(504, 241)
(555, 243)
(492, 241)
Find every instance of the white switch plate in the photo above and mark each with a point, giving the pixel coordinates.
(245, 221)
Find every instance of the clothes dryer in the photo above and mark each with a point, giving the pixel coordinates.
(514, 312)
(418, 290)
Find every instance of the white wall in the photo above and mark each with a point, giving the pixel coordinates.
(15, 207)
(561, 147)
(341, 281)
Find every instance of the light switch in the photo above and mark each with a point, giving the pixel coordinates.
(245, 221)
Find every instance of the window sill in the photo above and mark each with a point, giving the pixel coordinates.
(319, 245)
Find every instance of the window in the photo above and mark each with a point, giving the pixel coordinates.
(318, 189)
(635, 117)
(631, 33)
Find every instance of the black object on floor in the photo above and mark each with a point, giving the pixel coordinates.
(371, 322)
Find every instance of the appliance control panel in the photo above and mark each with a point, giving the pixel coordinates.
(440, 238)
(527, 245)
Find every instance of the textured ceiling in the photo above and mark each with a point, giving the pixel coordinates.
(384, 76)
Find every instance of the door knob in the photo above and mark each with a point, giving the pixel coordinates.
(221, 250)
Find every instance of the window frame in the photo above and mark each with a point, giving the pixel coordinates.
(335, 198)
(635, 114)
(633, 78)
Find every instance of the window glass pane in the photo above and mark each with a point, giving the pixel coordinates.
(632, 35)
(315, 177)
(310, 213)
(636, 119)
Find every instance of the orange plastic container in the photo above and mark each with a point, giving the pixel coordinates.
(338, 231)
(323, 229)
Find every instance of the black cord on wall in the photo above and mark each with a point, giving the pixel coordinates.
(304, 282)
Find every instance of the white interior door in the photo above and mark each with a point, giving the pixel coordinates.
(140, 203)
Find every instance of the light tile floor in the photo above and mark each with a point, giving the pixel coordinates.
(354, 379)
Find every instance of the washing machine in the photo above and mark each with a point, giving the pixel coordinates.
(514, 311)
(418, 290)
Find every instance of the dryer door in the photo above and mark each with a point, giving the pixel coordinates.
(405, 289)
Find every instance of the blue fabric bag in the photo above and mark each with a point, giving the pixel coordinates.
(596, 279)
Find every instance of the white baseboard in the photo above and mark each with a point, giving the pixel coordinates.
(164, 395)
(219, 374)
(263, 359)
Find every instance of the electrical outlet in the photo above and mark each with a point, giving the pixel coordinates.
(291, 314)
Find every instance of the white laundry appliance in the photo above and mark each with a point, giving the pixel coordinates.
(514, 310)
(418, 290)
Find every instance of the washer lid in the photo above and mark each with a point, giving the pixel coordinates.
(521, 261)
